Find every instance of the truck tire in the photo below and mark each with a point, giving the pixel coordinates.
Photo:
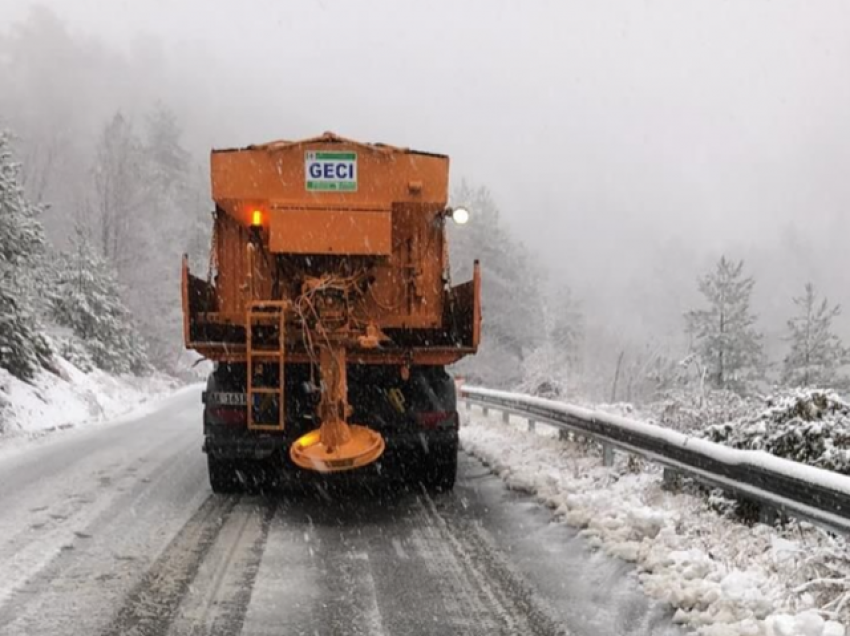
(224, 479)
(439, 471)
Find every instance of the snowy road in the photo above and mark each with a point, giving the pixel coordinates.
(113, 530)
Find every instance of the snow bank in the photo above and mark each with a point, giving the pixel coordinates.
(722, 577)
(72, 398)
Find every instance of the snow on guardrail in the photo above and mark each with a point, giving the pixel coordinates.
(791, 488)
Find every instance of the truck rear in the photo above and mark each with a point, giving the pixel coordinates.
(329, 313)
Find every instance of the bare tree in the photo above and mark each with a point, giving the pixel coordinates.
(122, 191)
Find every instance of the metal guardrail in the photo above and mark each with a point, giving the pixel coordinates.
(781, 487)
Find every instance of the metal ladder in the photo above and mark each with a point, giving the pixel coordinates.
(262, 313)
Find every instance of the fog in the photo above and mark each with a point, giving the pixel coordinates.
(628, 144)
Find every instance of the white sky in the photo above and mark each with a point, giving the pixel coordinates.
(606, 129)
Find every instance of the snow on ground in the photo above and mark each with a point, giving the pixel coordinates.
(722, 577)
(72, 398)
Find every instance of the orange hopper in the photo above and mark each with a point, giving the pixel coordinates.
(326, 253)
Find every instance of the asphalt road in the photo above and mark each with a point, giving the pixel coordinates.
(112, 530)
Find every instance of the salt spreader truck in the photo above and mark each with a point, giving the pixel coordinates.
(329, 313)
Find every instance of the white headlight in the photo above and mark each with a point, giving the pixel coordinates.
(460, 216)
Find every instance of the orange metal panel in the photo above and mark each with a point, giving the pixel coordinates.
(408, 290)
(379, 203)
(241, 277)
(277, 172)
(331, 232)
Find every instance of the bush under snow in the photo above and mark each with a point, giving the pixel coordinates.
(810, 426)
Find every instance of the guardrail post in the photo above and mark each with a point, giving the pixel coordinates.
(506, 417)
(532, 425)
(485, 410)
(671, 479)
(770, 516)
(607, 454)
(468, 405)
(563, 434)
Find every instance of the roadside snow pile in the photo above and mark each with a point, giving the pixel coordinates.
(72, 397)
(722, 578)
(810, 426)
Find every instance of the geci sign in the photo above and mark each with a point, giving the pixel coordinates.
(330, 171)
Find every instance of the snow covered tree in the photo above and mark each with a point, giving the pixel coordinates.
(817, 353)
(150, 208)
(85, 299)
(512, 307)
(22, 347)
(724, 335)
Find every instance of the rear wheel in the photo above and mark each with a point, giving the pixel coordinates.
(224, 476)
(439, 471)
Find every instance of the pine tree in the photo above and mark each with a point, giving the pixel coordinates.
(817, 353)
(724, 334)
(85, 299)
(22, 347)
(149, 211)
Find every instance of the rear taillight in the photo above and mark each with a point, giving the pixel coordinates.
(228, 415)
(437, 419)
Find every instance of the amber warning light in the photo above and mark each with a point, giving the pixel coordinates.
(257, 218)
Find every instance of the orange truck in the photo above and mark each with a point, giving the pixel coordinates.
(329, 313)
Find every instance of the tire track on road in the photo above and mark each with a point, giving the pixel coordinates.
(219, 596)
(152, 605)
(481, 584)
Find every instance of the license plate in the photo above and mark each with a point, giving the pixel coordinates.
(225, 399)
